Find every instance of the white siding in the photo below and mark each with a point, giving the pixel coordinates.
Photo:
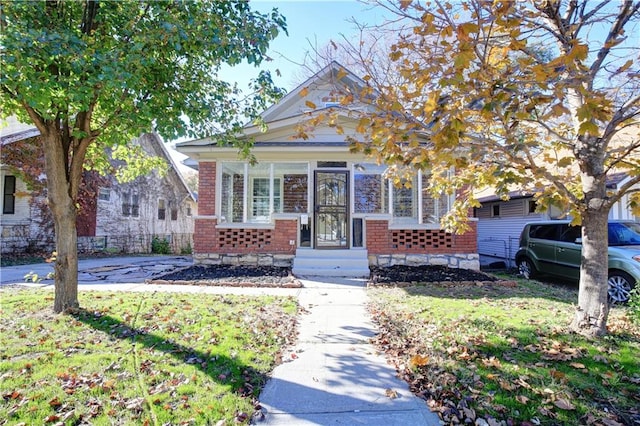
(498, 236)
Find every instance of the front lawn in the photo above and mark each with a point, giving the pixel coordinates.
(138, 358)
(502, 355)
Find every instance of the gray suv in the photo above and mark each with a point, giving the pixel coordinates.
(554, 248)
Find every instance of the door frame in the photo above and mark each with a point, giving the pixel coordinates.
(347, 209)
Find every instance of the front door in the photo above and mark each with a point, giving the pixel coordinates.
(331, 209)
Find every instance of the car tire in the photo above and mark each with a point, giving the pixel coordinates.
(620, 285)
(526, 268)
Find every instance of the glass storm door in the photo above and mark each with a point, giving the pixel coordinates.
(331, 210)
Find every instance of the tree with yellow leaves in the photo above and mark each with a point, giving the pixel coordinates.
(540, 95)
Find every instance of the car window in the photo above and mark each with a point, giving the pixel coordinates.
(624, 234)
(570, 233)
(544, 232)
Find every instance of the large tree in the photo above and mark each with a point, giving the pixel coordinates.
(539, 95)
(93, 74)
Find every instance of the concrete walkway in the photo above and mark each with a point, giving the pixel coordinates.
(332, 376)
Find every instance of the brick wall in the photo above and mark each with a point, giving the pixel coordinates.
(207, 189)
(382, 240)
(211, 240)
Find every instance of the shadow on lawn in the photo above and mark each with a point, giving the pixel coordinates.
(244, 380)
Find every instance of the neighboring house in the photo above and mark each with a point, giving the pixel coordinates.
(500, 222)
(312, 203)
(113, 216)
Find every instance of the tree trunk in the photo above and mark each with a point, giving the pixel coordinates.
(64, 214)
(593, 309)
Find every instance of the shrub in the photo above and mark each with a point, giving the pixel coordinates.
(160, 246)
(634, 305)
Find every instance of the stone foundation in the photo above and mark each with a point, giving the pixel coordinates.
(259, 259)
(462, 261)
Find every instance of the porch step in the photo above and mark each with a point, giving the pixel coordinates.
(331, 263)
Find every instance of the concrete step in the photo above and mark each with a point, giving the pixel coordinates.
(331, 263)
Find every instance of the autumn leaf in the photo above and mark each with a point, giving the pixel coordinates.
(391, 393)
(304, 92)
(564, 404)
(418, 361)
(310, 104)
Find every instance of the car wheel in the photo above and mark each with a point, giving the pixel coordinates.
(526, 268)
(620, 285)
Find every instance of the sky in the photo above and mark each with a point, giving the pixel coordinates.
(309, 22)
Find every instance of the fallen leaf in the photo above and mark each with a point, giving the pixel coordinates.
(419, 361)
(522, 399)
(391, 393)
(563, 404)
(577, 365)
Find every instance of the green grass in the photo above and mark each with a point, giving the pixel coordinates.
(504, 353)
(136, 358)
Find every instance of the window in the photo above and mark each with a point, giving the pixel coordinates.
(174, 214)
(130, 204)
(261, 198)
(531, 205)
(9, 195)
(135, 205)
(371, 189)
(104, 194)
(433, 207)
(405, 200)
(161, 209)
(495, 210)
(270, 188)
(126, 204)
(189, 211)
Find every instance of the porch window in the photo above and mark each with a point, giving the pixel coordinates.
(371, 192)
(270, 188)
(409, 202)
(405, 201)
(433, 208)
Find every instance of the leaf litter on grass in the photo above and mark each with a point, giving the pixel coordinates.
(501, 356)
(156, 358)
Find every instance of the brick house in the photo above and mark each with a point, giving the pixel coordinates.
(311, 203)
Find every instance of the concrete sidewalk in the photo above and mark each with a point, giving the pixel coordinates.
(333, 375)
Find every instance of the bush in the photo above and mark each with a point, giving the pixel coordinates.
(634, 305)
(160, 246)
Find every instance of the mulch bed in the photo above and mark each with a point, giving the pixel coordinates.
(231, 276)
(273, 276)
(405, 276)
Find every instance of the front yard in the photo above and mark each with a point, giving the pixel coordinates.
(500, 355)
(138, 358)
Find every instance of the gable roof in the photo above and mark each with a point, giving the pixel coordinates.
(319, 93)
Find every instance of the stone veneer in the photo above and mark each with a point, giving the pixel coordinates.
(462, 261)
(258, 259)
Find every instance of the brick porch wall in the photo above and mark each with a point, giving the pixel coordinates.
(388, 247)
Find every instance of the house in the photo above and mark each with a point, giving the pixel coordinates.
(312, 204)
(500, 222)
(113, 216)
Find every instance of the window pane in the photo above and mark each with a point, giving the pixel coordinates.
(433, 208)
(295, 187)
(405, 201)
(370, 189)
(232, 192)
(9, 198)
(260, 192)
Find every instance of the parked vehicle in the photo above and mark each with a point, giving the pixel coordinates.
(554, 248)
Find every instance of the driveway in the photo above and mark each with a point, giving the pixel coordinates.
(126, 269)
